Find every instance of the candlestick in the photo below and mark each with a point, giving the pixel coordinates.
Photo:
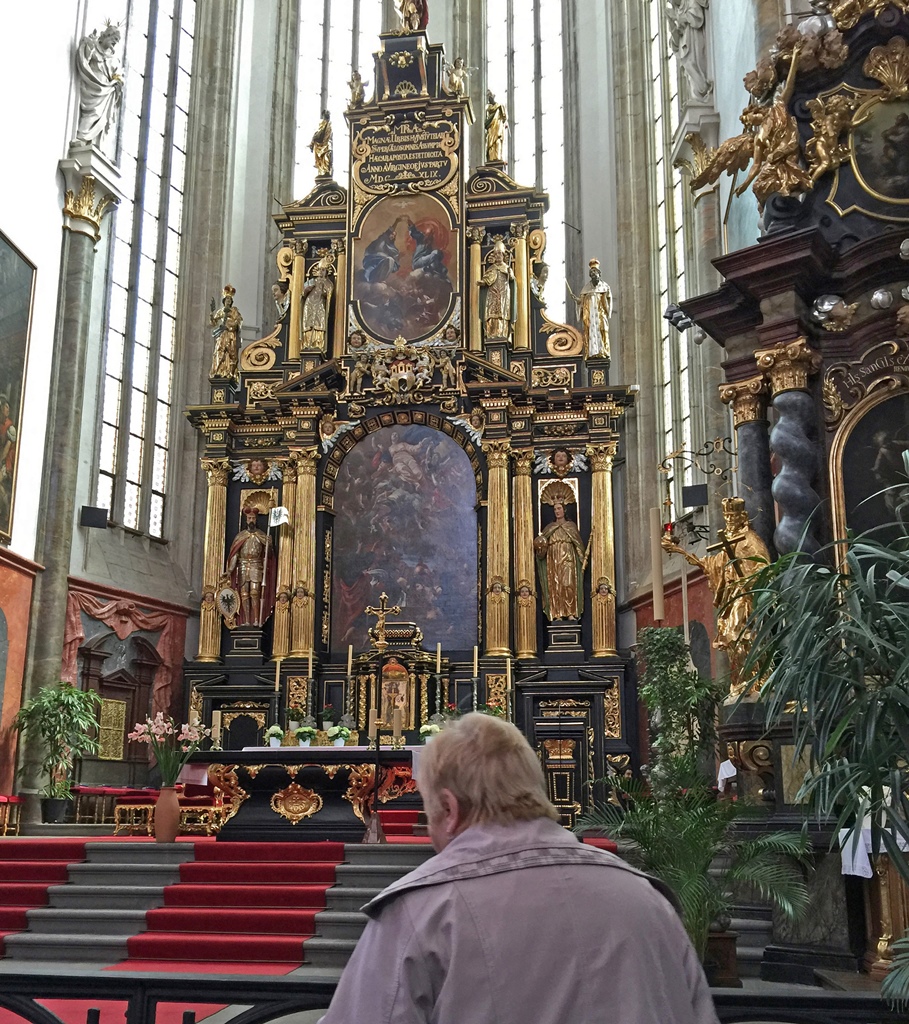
(277, 675)
(439, 693)
(656, 564)
(216, 727)
(438, 658)
(350, 659)
(476, 671)
(373, 718)
(397, 718)
(474, 683)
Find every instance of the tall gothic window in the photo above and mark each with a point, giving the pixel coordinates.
(669, 218)
(532, 90)
(145, 262)
(336, 37)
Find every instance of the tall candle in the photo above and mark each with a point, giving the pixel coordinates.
(476, 670)
(397, 718)
(349, 659)
(508, 673)
(309, 673)
(438, 658)
(656, 564)
(373, 717)
(216, 726)
(277, 674)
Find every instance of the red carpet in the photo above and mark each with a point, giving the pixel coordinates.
(259, 903)
(28, 867)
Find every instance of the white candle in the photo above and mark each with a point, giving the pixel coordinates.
(309, 673)
(373, 718)
(508, 673)
(277, 674)
(350, 659)
(397, 717)
(216, 726)
(656, 564)
(476, 670)
(438, 658)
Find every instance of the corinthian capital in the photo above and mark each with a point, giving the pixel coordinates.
(602, 455)
(307, 459)
(748, 399)
(788, 365)
(497, 453)
(217, 471)
(523, 462)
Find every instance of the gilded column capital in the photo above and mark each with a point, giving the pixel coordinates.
(601, 455)
(788, 365)
(307, 460)
(523, 462)
(497, 453)
(217, 471)
(81, 209)
(518, 230)
(748, 399)
(475, 235)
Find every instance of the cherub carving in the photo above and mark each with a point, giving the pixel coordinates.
(830, 119)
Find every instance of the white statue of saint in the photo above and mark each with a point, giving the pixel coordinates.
(100, 83)
(688, 37)
(594, 307)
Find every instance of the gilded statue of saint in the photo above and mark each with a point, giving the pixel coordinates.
(357, 90)
(251, 564)
(414, 15)
(740, 553)
(225, 329)
(496, 124)
(561, 559)
(321, 146)
(594, 306)
(499, 302)
(317, 294)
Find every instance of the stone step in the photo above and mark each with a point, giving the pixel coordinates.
(334, 924)
(115, 897)
(124, 874)
(749, 960)
(94, 921)
(369, 875)
(399, 854)
(319, 952)
(349, 897)
(66, 948)
(139, 853)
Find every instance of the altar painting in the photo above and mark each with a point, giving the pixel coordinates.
(406, 525)
(405, 267)
(875, 480)
(880, 151)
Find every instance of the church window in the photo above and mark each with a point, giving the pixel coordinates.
(145, 257)
(336, 37)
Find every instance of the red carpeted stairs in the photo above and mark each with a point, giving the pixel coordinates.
(253, 902)
(28, 867)
(399, 826)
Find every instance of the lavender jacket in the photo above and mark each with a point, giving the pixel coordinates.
(522, 924)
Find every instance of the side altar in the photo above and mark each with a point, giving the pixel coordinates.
(415, 426)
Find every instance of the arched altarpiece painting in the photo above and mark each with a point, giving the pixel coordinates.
(406, 525)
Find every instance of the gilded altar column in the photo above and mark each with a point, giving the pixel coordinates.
(522, 282)
(748, 400)
(602, 567)
(525, 594)
(498, 575)
(297, 280)
(475, 269)
(340, 302)
(303, 605)
(794, 441)
(280, 645)
(216, 471)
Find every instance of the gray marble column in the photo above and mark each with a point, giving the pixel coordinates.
(83, 210)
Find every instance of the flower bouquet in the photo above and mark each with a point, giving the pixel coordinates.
(274, 734)
(172, 744)
(338, 734)
(305, 735)
(429, 730)
(493, 709)
(329, 715)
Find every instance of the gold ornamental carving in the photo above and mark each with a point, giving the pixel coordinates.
(748, 399)
(296, 803)
(111, 729)
(496, 453)
(83, 207)
(551, 377)
(889, 64)
(567, 708)
(496, 690)
(612, 713)
(523, 462)
(231, 716)
(847, 13)
(559, 750)
(561, 339)
(602, 455)
(359, 789)
(883, 368)
(789, 365)
(217, 471)
(260, 355)
(224, 777)
(297, 693)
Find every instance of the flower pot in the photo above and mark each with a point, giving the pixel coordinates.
(431, 736)
(305, 742)
(274, 741)
(167, 815)
(53, 810)
(720, 964)
(339, 742)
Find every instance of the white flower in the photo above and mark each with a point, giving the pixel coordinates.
(429, 729)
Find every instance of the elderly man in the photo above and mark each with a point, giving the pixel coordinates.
(515, 921)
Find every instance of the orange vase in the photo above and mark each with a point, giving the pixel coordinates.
(167, 815)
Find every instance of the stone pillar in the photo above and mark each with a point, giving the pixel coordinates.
(497, 546)
(474, 272)
(748, 399)
(522, 284)
(793, 440)
(303, 608)
(216, 471)
(602, 549)
(280, 645)
(83, 211)
(525, 592)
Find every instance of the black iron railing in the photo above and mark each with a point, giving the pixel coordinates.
(268, 997)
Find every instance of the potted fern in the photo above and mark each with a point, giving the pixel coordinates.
(675, 826)
(65, 720)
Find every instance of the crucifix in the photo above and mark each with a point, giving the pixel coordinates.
(377, 632)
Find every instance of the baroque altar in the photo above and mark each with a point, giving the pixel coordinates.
(415, 427)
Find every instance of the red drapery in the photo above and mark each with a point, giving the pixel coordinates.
(125, 617)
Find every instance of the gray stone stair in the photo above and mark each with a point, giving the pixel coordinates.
(367, 870)
(90, 918)
(754, 925)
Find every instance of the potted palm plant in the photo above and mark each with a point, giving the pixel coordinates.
(676, 827)
(65, 720)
